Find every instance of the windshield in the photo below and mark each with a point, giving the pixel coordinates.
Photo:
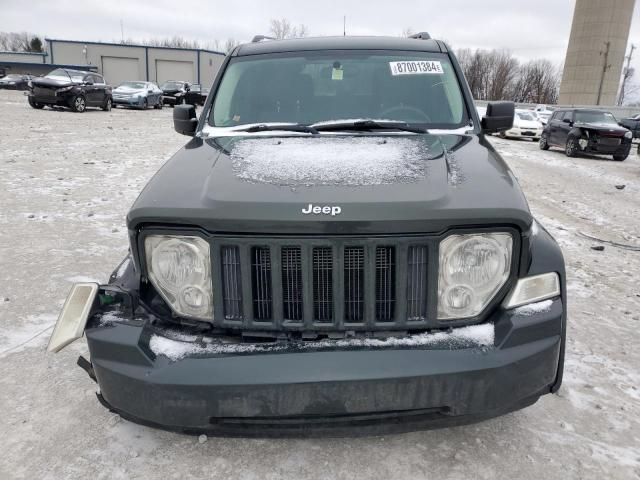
(171, 85)
(133, 85)
(310, 87)
(64, 75)
(595, 117)
(525, 116)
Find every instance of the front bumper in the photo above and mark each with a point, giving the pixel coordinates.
(591, 146)
(128, 101)
(296, 391)
(171, 100)
(524, 133)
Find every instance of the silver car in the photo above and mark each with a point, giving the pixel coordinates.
(137, 94)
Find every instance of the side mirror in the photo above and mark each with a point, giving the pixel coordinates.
(567, 120)
(89, 82)
(184, 119)
(149, 91)
(499, 117)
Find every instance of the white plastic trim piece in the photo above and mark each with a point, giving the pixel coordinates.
(533, 289)
(73, 317)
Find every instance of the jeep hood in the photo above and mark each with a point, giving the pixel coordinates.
(383, 184)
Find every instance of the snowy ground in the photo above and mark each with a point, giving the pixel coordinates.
(66, 182)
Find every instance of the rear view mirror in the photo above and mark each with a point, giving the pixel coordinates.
(149, 91)
(184, 119)
(567, 120)
(499, 117)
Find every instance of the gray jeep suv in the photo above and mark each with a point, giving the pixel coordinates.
(337, 250)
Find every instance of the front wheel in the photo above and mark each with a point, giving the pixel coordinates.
(107, 105)
(79, 104)
(158, 105)
(34, 104)
(543, 143)
(621, 158)
(571, 149)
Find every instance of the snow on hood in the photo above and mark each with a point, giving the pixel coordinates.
(180, 346)
(330, 160)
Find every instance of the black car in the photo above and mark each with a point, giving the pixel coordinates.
(196, 95)
(579, 130)
(174, 92)
(15, 81)
(73, 89)
(337, 250)
(633, 124)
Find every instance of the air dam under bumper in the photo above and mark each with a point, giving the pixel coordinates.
(329, 392)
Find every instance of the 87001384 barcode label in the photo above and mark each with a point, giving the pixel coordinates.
(416, 67)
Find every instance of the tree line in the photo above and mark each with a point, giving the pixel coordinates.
(498, 75)
(20, 42)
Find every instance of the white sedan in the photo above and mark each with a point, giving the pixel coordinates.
(525, 125)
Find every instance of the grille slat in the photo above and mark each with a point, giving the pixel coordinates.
(231, 286)
(322, 284)
(292, 283)
(261, 283)
(354, 284)
(385, 284)
(417, 283)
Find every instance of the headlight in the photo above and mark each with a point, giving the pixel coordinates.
(628, 135)
(472, 270)
(180, 269)
(64, 89)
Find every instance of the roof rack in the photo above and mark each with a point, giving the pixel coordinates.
(421, 36)
(259, 38)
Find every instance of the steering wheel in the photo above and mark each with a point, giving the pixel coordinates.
(406, 108)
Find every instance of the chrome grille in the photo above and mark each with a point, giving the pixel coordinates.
(231, 284)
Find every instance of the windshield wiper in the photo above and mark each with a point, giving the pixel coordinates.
(293, 127)
(367, 125)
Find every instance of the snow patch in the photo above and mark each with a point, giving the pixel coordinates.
(330, 161)
(533, 308)
(180, 346)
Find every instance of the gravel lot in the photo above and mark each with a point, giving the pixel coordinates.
(66, 183)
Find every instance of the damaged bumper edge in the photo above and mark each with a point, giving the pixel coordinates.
(323, 388)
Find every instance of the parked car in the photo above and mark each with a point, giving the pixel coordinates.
(543, 113)
(633, 124)
(73, 89)
(579, 130)
(138, 94)
(15, 81)
(174, 91)
(294, 270)
(525, 125)
(196, 95)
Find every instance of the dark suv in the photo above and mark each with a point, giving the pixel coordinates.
(174, 92)
(338, 250)
(73, 89)
(579, 130)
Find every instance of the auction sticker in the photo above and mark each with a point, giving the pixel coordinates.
(416, 67)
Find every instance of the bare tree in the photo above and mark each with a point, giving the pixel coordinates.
(407, 32)
(282, 28)
(20, 42)
(230, 44)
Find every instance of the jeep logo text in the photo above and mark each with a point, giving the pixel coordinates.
(324, 210)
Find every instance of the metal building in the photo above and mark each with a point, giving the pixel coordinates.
(117, 62)
(595, 56)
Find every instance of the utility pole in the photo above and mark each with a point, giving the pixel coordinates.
(122, 30)
(344, 26)
(626, 75)
(605, 67)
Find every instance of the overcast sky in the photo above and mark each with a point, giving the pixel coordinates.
(532, 29)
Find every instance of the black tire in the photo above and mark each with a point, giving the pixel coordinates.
(158, 106)
(34, 104)
(502, 135)
(145, 104)
(107, 105)
(543, 144)
(620, 158)
(571, 148)
(79, 104)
